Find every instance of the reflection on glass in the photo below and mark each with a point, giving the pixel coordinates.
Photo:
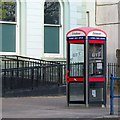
(52, 12)
(8, 10)
(76, 91)
(95, 59)
(96, 51)
(76, 59)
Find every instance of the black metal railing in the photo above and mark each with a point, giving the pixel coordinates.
(77, 69)
(112, 68)
(14, 61)
(18, 72)
(24, 72)
(33, 76)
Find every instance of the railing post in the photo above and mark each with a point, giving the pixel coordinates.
(32, 77)
(11, 79)
(17, 66)
(111, 95)
(43, 74)
(59, 74)
(22, 74)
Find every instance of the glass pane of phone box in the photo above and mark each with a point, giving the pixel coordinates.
(76, 91)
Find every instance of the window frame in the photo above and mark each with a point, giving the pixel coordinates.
(60, 54)
(17, 31)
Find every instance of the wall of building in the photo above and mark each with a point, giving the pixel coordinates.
(74, 15)
(107, 19)
(90, 7)
(77, 14)
(103, 15)
(119, 25)
(22, 42)
(35, 28)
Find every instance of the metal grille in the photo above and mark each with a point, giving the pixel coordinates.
(22, 72)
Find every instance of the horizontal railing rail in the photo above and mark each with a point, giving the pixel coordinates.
(32, 67)
(16, 57)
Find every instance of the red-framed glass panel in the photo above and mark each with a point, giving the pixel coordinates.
(76, 51)
(96, 61)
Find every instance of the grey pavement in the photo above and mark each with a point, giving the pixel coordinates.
(50, 107)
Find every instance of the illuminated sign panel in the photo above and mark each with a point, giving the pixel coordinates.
(97, 34)
(96, 38)
(76, 35)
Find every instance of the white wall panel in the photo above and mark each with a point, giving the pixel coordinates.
(77, 13)
(108, 14)
(107, 19)
(35, 28)
(112, 41)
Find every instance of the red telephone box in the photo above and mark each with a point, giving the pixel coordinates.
(86, 66)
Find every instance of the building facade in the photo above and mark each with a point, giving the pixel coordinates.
(33, 36)
(34, 33)
(107, 18)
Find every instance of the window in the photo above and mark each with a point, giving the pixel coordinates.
(8, 37)
(8, 25)
(52, 12)
(51, 43)
(8, 11)
(52, 27)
